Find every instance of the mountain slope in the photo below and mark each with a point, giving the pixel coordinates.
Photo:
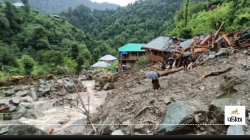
(56, 6)
(138, 23)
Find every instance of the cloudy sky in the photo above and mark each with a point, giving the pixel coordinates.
(119, 2)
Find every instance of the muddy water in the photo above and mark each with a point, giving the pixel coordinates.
(55, 115)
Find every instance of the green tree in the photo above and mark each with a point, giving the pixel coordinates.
(80, 62)
(28, 64)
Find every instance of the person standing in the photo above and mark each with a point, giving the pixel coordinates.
(171, 62)
(156, 85)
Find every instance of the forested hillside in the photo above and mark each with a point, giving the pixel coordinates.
(57, 6)
(37, 44)
(234, 13)
(138, 23)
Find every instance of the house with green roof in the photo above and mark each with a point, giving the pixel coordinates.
(130, 53)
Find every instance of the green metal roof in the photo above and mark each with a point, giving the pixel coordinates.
(132, 47)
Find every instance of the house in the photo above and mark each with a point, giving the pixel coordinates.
(213, 6)
(162, 48)
(101, 65)
(130, 53)
(108, 59)
(18, 4)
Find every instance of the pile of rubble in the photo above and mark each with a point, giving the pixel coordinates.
(185, 98)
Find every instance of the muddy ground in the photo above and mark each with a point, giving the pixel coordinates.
(132, 102)
(126, 101)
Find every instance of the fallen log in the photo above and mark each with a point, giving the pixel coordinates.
(215, 73)
(170, 72)
(4, 108)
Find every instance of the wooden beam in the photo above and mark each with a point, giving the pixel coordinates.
(214, 73)
(218, 31)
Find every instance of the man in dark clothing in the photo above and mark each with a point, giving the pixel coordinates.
(185, 62)
(171, 62)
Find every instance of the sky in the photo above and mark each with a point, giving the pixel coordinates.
(119, 2)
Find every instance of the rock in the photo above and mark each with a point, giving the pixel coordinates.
(223, 51)
(218, 105)
(19, 113)
(22, 129)
(235, 130)
(29, 115)
(22, 93)
(4, 130)
(9, 93)
(12, 108)
(27, 99)
(196, 117)
(202, 88)
(33, 93)
(241, 88)
(248, 116)
(83, 78)
(128, 122)
(212, 56)
(181, 113)
(97, 84)
(26, 105)
(106, 87)
(167, 100)
(117, 132)
(15, 101)
(45, 92)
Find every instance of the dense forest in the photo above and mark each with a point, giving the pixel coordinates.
(138, 23)
(57, 6)
(32, 43)
(35, 43)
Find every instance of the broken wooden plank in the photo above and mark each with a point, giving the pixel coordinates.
(3, 108)
(229, 42)
(218, 31)
(215, 73)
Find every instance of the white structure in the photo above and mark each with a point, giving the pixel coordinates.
(101, 65)
(108, 58)
(19, 4)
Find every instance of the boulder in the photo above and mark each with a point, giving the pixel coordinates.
(218, 105)
(235, 130)
(27, 99)
(26, 105)
(33, 93)
(15, 101)
(19, 113)
(9, 93)
(21, 129)
(241, 88)
(167, 100)
(117, 132)
(97, 84)
(181, 113)
(12, 108)
(22, 93)
(106, 87)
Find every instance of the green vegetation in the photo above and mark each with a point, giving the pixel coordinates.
(32, 43)
(56, 6)
(194, 19)
(108, 30)
(143, 62)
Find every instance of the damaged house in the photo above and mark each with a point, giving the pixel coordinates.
(163, 48)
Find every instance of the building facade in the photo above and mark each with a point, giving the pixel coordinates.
(130, 53)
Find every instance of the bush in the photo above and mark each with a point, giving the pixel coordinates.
(27, 63)
(143, 62)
